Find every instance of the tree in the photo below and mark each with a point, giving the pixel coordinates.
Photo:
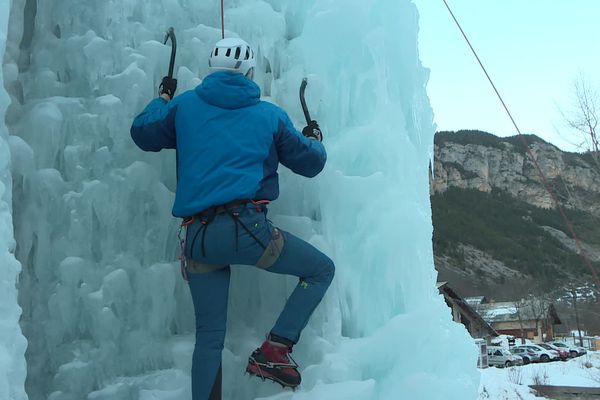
(584, 115)
(573, 289)
(519, 307)
(538, 306)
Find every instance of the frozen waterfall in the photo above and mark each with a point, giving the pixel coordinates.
(87, 215)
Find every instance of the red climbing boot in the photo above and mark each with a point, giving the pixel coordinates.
(273, 361)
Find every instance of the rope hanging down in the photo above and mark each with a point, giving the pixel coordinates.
(566, 220)
(222, 19)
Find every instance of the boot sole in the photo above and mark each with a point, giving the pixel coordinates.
(255, 370)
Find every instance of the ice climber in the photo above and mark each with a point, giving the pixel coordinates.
(229, 144)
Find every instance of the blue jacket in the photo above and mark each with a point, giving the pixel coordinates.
(229, 143)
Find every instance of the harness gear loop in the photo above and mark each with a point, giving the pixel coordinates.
(182, 259)
(236, 217)
(209, 219)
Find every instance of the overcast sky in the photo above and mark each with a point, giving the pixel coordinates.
(533, 50)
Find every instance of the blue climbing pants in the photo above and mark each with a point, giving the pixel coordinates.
(244, 236)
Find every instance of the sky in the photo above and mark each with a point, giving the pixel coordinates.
(534, 50)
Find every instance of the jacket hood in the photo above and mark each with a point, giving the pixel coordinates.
(228, 90)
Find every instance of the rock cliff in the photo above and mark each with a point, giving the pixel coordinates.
(481, 161)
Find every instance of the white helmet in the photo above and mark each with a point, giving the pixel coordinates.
(232, 54)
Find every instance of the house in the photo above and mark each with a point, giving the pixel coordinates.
(463, 313)
(531, 319)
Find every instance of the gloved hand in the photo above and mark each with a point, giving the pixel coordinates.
(168, 86)
(313, 131)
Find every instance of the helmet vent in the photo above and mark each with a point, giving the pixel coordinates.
(232, 54)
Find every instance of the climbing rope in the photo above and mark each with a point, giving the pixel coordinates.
(222, 19)
(566, 220)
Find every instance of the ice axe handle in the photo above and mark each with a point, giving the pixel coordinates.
(303, 101)
(171, 34)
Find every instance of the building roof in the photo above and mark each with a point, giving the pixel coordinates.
(448, 291)
(524, 310)
(473, 301)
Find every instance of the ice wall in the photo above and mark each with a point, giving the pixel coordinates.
(12, 342)
(105, 312)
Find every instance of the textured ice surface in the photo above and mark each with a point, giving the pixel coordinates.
(105, 311)
(12, 342)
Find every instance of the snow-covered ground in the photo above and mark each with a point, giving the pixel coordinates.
(513, 383)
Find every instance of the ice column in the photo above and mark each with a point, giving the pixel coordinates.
(12, 342)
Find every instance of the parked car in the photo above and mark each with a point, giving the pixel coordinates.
(561, 352)
(500, 357)
(527, 355)
(543, 354)
(574, 351)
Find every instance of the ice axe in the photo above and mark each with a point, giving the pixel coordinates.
(171, 34)
(303, 101)
(312, 129)
(168, 85)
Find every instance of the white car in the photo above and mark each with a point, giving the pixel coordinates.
(545, 355)
(500, 357)
(528, 355)
(574, 351)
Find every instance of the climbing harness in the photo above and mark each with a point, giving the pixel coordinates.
(206, 217)
(566, 220)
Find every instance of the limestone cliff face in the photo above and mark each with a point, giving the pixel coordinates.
(470, 163)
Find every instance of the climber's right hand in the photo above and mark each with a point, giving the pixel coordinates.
(313, 131)
(167, 87)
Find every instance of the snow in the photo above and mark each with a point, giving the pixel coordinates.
(498, 311)
(502, 340)
(513, 383)
(106, 313)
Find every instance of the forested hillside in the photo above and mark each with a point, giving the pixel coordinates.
(496, 230)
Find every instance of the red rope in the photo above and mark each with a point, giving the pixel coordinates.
(566, 220)
(222, 19)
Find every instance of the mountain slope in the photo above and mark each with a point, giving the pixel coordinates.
(496, 231)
